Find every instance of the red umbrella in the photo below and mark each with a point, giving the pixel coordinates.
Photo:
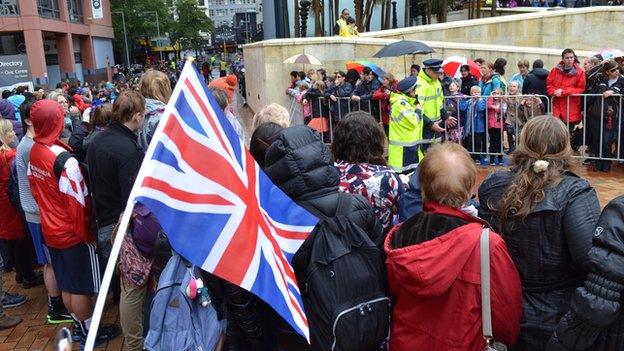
(452, 67)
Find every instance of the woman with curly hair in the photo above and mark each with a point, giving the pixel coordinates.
(547, 216)
(358, 149)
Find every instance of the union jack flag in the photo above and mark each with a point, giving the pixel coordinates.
(220, 211)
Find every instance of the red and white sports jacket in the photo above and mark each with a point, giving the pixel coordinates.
(63, 201)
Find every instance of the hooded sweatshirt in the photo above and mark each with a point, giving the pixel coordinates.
(63, 200)
(153, 112)
(433, 262)
(7, 111)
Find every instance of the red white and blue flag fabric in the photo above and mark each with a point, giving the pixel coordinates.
(219, 210)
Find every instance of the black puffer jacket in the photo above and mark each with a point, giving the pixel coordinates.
(596, 320)
(549, 249)
(300, 164)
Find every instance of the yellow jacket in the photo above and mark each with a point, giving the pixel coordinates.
(344, 28)
(405, 133)
(430, 96)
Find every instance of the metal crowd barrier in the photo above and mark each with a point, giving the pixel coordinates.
(515, 111)
(333, 112)
(598, 138)
(599, 135)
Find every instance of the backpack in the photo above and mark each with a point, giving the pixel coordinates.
(13, 188)
(341, 275)
(176, 322)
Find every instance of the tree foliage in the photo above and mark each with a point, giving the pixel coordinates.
(190, 22)
(140, 16)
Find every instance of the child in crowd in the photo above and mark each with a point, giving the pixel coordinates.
(353, 30)
(307, 109)
(451, 105)
(474, 132)
(495, 126)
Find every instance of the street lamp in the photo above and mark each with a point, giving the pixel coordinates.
(158, 29)
(123, 23)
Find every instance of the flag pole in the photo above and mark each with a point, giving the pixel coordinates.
(119, 235)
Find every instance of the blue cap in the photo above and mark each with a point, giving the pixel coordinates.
(433, 63)
(407, 84)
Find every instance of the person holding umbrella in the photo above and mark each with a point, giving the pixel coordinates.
(431, 98)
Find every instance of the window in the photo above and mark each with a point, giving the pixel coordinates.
(75, 11)
(48, 8)
(9, 8)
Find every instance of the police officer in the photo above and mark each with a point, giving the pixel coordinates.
(406, 128)
(431, 98)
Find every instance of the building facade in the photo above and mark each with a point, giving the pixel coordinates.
(222, 12)
(53, 40)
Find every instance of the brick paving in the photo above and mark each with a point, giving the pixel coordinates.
(35, 334)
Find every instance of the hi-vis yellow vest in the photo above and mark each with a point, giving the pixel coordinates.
(405, 134)
(430, 96)
(344, 28)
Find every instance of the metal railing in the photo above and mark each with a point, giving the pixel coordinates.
(598, 137)
(597, 131)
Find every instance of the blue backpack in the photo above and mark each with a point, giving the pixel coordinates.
(176, 322)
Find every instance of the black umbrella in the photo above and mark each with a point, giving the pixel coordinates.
(404, 47)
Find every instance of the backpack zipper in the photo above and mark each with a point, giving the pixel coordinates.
(364, 307)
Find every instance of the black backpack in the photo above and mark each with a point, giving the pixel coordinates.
(342, 279)
(13, 188)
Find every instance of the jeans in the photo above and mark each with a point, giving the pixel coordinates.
(131, 309)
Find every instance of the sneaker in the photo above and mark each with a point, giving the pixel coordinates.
(105, 334)
(59, 317)
(7, 321)
(13, 300)
(588, 162)
(77, 334)
(32, 282)
(485, 162)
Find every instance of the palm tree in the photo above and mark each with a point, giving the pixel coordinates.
(318, 9)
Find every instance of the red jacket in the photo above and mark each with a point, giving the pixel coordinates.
(380, 94)
(572, 82)
(11, 223)
(436, 284)
(64, 203)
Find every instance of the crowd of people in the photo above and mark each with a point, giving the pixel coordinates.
(413, 275)
(485, 110)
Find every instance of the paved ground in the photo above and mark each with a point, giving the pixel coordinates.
(34, 334)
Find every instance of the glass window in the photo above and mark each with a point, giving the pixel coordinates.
(75, 11)
(12, 44)
(9, 8)
(48, 8)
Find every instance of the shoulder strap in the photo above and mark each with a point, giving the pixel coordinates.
(59, 163)
(486, 310)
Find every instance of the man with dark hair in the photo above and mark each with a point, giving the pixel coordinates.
(564, 81)
(535, 81)
(364, 92)
(114, 161)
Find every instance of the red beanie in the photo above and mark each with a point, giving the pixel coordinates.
(227, 84)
